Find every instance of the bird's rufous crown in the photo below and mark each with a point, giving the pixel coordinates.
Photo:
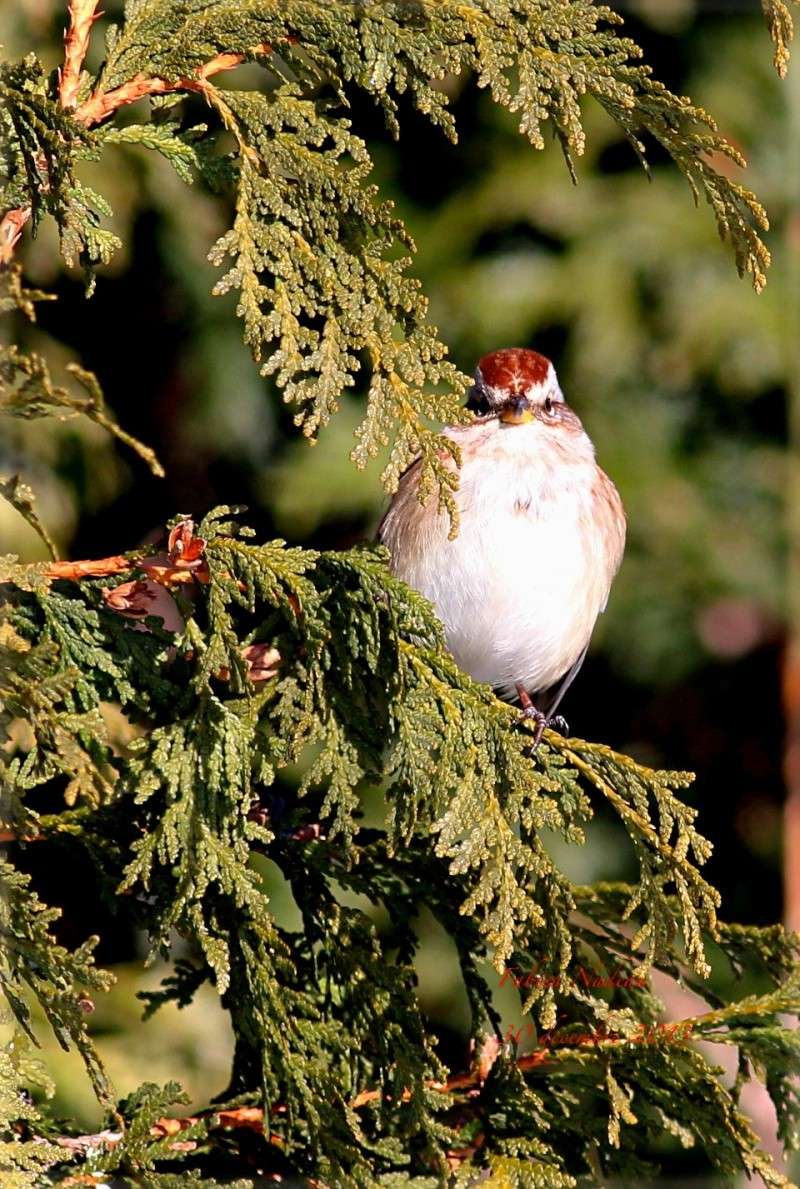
(514, 369)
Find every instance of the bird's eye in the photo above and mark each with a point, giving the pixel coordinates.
(548, 405)
(478, 402)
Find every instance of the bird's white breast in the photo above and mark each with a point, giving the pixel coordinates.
(520, 588)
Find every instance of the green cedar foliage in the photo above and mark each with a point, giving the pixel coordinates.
(330, 1013)
(356, 686)
(320, 263)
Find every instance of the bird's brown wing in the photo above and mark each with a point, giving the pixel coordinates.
(407, 481)
(609, 515)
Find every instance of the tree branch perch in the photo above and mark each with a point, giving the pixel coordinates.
(100, 105)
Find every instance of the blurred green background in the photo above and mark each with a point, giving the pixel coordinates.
(680, 373)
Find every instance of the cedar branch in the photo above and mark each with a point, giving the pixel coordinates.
(251, 1118)
(100, 106)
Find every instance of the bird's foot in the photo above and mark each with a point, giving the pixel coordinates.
(532, 714)
(529, 711)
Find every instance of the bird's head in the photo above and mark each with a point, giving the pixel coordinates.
(519, 386)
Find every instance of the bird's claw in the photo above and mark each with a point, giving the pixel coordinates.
(531, 714)
(556, 723)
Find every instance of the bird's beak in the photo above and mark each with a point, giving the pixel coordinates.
(517, 412)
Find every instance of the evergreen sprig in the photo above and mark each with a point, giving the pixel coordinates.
(331, 1041)
(30, 960)
(320, 262)
(781, 30)
(25, 1153)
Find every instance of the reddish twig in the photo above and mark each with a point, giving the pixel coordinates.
(101, 105)
(82, 15)
(251, 1118)
(462, 1081)
(11, 228)
(184, 561)
(101, 567)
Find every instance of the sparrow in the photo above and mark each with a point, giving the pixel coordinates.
(541, 536)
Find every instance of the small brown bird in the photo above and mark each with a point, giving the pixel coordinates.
(542, 532)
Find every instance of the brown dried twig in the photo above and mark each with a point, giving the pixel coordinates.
(11, 228)
(251, 1118)
(82, 15)
(101, 105)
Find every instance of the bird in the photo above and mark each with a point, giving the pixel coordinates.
(541, 536)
